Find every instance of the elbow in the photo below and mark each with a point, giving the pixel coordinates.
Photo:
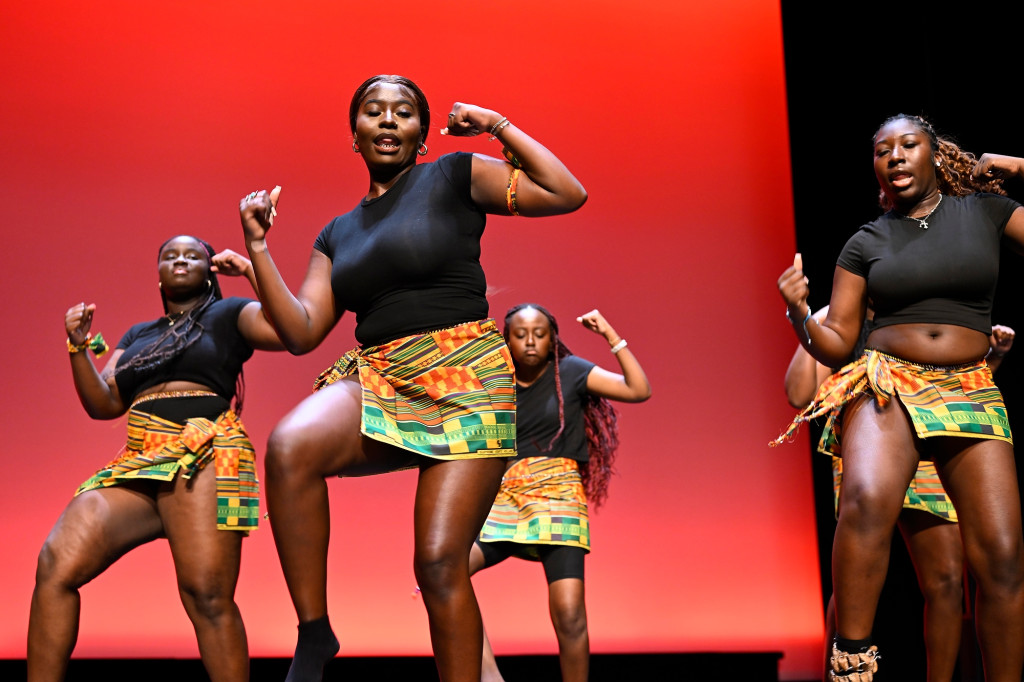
(642, 395)
(577, 198)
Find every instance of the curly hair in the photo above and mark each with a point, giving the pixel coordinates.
(184, 331)
(955, 164)
(599, 417)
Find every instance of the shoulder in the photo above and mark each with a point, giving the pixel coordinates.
(134, 332)
(230, 306)
(575, 366)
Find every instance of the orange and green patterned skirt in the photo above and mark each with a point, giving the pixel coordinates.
(541, 502)
(447, 394)
(157, 449)
(941, 401)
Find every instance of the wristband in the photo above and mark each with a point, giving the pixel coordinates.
(619, 346)
(95, 343)
(258, 245)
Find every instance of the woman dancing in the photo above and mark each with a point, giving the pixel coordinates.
(566, 440)
(921, 389)
(431, 384)
(187, 473)
(927, 522)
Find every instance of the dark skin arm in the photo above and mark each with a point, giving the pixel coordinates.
(302, 321)
(97, 392)
(253, 325)
(545, 186)
(631, 386)
(831, 341)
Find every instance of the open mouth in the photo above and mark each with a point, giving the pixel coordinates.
(386, 143)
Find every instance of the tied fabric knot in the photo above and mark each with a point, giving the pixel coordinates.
(870, 371)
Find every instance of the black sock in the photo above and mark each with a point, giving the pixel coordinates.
(852, 646)
(317, 645)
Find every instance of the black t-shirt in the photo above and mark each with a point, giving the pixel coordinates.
(537, 412)
(408, 261)
(946, 274)
(214, 360)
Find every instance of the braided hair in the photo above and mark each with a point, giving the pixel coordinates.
(599, 417)
(185, 330)
(954, 171)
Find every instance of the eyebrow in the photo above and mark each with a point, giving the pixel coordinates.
(384, 101)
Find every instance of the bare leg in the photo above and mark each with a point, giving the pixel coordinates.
(879, 460)
(569, 616)
(937, 553)
(488, 666)
(97, 528)
(320, 438)
(981, 479)
(206, 561)
(452, 501)
(830, 635)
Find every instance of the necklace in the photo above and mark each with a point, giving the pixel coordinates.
(174, 317)
(924, 221)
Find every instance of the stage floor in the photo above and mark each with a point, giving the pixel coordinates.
(723, 667)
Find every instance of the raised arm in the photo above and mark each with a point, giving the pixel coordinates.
(991, 166)
(253, 325)
(805, 374)
(97, 393)
(301, 321)
(631, 386)
(831, 341)
(543, 187)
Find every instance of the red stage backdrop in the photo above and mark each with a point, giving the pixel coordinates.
(125, 123)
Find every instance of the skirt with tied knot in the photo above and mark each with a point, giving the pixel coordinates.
(446, 394)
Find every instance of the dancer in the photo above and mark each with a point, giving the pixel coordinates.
(431, 384)
(927, 521)
(921, 390)
(566, 441)
(187, 473)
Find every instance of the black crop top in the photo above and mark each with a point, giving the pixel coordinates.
(408, 261)
(214, 360)
(944, 275)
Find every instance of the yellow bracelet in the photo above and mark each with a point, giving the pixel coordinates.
(510, 192)
(96, 343)
(72, 348)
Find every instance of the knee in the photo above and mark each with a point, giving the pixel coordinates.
(865, 509)
(439, 569)
(1000, 562)
(943, 584)
(207, 600)
(569, 619)
(284, 455)
(55, 568)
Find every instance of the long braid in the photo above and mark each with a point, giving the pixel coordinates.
(184, 331)
(954, 174)
(599, 416)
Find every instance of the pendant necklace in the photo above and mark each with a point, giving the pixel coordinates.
(924, 221)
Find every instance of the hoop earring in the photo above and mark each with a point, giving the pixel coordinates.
(355, 147)
(422, 151)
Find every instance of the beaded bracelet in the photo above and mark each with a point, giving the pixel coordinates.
(95, 343)
(510, 191)
(619, 346)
